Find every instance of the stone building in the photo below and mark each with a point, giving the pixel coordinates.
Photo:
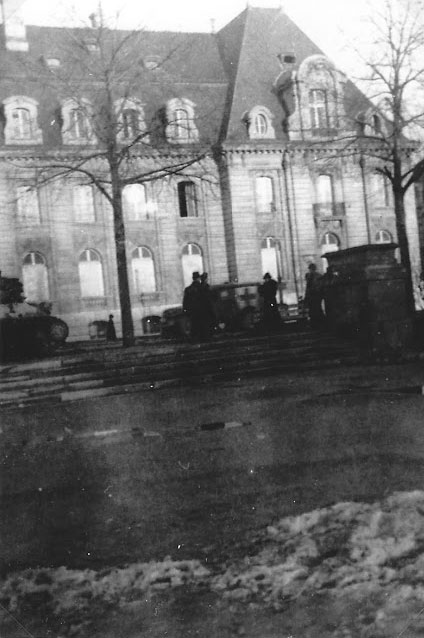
(275, 190)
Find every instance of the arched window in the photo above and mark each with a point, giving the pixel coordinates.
(181, 127)
(330, 243)
(271, 257)
(264, 194)
(143, 270)
(21, 122)
(259, 123)
(187, 199)
(182, 124)
(134, 201)
(35, 278)
(78, 124)
(130, 123)
(91, 274)
(192, 260)
(130, 119)
(383, 237)
(84, 204)
(76, 128)
(21, 125)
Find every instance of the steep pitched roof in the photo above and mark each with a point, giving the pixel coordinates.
(190, 67)
(250, 46)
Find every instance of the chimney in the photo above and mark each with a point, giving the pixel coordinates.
(14, 25)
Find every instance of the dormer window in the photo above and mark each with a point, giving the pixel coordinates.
(376, 124)
(78, 124)
(318, 109)
(181, 128)
(131, 124)
(77, 127)
(21, 121)
(259, 123)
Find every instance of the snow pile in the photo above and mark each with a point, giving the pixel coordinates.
(369, 555)
(350, 551)
(73, 597)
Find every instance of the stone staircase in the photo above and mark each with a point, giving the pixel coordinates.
(92, 370)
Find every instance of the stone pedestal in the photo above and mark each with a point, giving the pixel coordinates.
(364, 292)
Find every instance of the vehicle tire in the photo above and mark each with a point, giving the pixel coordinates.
(58, 331)
(184, 326)
(247, 320)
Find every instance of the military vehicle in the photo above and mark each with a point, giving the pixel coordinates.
(26, 329)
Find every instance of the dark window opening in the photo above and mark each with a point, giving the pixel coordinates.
(187, 199)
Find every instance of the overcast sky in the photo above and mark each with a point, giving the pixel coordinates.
(333, 24)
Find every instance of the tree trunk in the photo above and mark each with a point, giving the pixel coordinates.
(121, 261)
(403, 244)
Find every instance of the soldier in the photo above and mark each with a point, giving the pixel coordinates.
(194, 306)
(268, 292)
(110, 330)
(313, 296)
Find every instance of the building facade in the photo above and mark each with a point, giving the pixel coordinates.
(273, 188)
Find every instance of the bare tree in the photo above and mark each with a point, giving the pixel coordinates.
(394, 82)
(110, 145)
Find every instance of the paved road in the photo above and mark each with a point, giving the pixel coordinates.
(194, 473)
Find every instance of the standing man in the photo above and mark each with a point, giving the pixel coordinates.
(268, 292)
(209, 308)
(313, 296)
(194, 307)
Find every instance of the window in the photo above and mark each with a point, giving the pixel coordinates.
(182, 124)
(330, 243)
(76, 128)
(143, 270)
(135, 202)
(181, 127)
(130, 123)
(318, 109)
(78, 124)
(90, 271)
(380, 191)
(130, 119)
(325, 189)
(84, 204)
(259, 123)
(271, 257)
(192, 261)
(383, 237)
(187, 199)
(376, 124)
(21, 121)
(27, 205)
(35, 278)
(264, 194)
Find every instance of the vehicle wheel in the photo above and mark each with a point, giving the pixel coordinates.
(41, 345)
(184, 326)
(248, 319)
(58, 331)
